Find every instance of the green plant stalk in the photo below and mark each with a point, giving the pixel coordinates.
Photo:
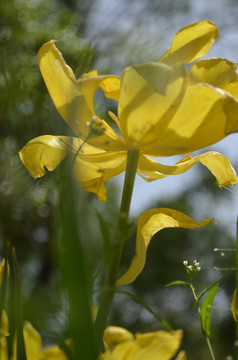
(75, 272)
(236, 334)
(199, 313)
(18, 307)
(117, 247)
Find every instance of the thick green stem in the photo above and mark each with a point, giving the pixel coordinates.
(236, 336)
(117, 246)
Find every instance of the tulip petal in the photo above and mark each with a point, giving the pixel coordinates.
(191, 43)
(181, 355)
(159, 345)
(149, 96)
(91, 171)
(33, 342)
(149, 223)
(92, 166)
(219, 165)
(216, 72)
(74, 99)
(233, 305)
(54, 353)
(205, 116)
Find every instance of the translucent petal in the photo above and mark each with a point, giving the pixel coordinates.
(205, 116)
(216, 71)
(92, 166)
(149, 223)
(191, 43)
(91, 171)
(158, 345)
(149, 96)
(74, 99)
(219, 165)
(43, 152)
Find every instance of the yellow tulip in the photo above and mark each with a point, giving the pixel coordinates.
(120, 344)
(33, 345)
(163, 110)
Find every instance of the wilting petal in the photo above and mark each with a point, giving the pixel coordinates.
(158, 345)
(92, 166)
(205, 116)
(219, 165)
(149, 96)
(216, 72)
(191, 43)
(149, 223)
(74, 99)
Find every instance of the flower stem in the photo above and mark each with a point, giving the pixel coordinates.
(236, 335)
(116, 247)
(199, 313)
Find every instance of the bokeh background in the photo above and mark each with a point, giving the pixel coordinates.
(110, 35)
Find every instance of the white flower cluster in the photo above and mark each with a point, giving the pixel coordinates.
(192, 269)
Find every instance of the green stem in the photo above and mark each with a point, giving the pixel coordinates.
(210, 348)
(236, 335)
(199, 312)
(117, 246)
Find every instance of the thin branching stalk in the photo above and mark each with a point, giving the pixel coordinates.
(199, 312)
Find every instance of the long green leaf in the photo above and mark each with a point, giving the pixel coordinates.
(178, 282)
(205, 310)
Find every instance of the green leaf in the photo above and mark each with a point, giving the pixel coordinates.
(179, 282)
(208, 288)
(205, 310)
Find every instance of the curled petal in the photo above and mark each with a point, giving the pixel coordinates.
(159, 345)
(74, 99)
(149, 223)
(191, 43)
(219, 165)
(149, 97)
(217, 72)
(92, 166)
(41, 153)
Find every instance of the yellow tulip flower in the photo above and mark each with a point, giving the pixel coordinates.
(163, 110)
(33, 344)
(121, 344)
